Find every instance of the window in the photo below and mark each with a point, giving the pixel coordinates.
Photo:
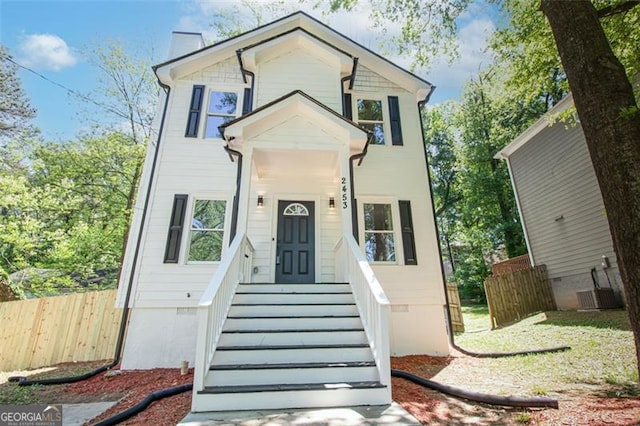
(207, 231)
(370, 116)
(379, 245)
(223, 107)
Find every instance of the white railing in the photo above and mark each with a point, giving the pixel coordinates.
(373, 305)
(214, 304)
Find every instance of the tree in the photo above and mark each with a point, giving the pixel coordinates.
(605, 102)
(427, 27)
(15, 111)
(440, 141)
(15, 114)
(66, 212)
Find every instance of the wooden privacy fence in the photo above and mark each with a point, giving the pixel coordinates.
(51, 330)
(516, 295)
(455, 308)
(511, 265)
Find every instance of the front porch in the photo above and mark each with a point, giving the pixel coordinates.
(267, 346)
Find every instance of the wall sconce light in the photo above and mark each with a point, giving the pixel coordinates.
(260, 201)
(332, 203)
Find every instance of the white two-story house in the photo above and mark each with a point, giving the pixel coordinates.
(284, 241)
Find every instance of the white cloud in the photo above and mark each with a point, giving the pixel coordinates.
(46, 51)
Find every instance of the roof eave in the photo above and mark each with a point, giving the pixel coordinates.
(533, 130)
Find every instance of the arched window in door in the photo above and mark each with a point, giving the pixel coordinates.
(296, 209)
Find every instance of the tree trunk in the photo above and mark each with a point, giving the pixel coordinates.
(609, 116)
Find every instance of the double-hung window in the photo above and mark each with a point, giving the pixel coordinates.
(207, 230)
(381, 117)
(379, 238)
(222, 108)
(371, 117)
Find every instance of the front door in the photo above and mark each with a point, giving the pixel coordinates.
(295, 250)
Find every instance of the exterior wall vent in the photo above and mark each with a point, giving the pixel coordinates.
(600, 298)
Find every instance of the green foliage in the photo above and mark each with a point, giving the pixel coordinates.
(12, 393)
(527, 46)
(427, 28)
(68, 212)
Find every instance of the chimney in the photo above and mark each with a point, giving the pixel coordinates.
(184, 42)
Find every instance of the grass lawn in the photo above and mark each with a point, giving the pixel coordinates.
(602, 353)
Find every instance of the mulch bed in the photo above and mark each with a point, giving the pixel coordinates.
(429, 407)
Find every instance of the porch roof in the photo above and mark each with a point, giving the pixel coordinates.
(295, 103)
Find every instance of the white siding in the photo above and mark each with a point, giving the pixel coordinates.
(298, 70)
(201, 168)
(194, 166)
(400, 172)
(554, 178)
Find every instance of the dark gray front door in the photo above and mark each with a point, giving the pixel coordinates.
(295, 255)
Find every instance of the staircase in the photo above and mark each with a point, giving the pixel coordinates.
(291, 346)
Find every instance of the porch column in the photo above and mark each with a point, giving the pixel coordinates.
(345, 196)
(245, 191)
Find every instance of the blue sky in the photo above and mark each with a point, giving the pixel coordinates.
(50, 36)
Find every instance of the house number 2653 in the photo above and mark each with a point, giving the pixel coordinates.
(345, 197)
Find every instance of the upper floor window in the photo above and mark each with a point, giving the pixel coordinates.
(222, 108)
(371, 117)
(380, 116)
(207, 231)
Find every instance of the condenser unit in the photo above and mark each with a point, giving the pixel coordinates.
(599, 298)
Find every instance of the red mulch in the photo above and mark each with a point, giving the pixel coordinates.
(429, 407)
(135, 385)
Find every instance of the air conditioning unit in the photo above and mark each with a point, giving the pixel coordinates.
(599, 298)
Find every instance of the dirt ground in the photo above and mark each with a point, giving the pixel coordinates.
(582, 405)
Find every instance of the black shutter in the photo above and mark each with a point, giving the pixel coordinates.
(346, 106)
(247, 101)
(408, 241)
(176, 224)
(195, 107)
(394, 119)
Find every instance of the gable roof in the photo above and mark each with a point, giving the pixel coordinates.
(304, 104)
(543, 122)
(182, 65)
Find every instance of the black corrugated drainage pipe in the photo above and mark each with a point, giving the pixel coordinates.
(22, 381)
(142, 405)
(444, 283)
(506, 401)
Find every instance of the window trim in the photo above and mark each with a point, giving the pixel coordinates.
(238, 90)
(385, 114)
(397, 235)
(186, 240)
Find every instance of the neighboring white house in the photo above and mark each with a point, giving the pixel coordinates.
(560, 204)
(275, 148)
